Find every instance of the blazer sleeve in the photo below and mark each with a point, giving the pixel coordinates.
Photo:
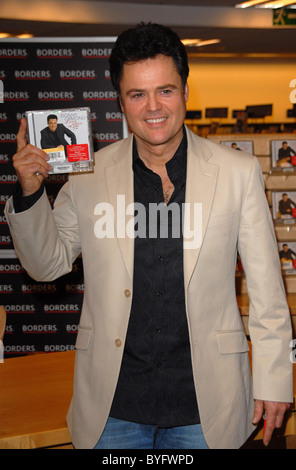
(45, 139)
(46, 245)
(70, 134)
(269, 316)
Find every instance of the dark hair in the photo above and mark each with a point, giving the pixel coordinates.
(146, 41)
(51, 116)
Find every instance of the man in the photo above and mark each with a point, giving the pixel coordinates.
(162, 358)
(54, 135)
(287, 253)
(234, 146)
(286, 206)
(284, 155)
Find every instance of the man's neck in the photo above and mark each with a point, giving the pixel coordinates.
(156, 157)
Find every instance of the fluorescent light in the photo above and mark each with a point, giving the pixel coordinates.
(249, 4)
(265, 4)
(208, 42)
(24, 36)
(20, 36)
(190, 42)
(277, 4)
(199, 42)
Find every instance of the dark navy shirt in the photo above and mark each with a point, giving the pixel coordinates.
(155, 384)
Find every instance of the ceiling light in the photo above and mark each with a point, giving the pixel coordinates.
(208, 42)
(265, 4)
(277, 4)
(249, 4)
(199, 42)
(190, 42)
(24, 36)
(20, 36)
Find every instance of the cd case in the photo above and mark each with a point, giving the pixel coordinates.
(65, 135)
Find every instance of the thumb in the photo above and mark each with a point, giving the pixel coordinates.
(258, 411)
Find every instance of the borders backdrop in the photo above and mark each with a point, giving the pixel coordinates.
(53, 74)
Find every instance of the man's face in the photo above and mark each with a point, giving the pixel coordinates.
(154, 101)
(52, 124)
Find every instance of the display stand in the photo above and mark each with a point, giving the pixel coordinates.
(277, 182)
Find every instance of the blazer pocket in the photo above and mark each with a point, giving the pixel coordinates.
(83, 338)
(221, 219)
(231, 342)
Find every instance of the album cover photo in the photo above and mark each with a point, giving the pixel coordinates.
(283, 154)
(287, 252)
(65, 135)
(284, 205)
(243, 145)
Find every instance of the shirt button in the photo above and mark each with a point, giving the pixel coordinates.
(118, 342)
(127, 293)
(159, 294)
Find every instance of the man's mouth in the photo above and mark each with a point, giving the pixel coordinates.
(156, 120)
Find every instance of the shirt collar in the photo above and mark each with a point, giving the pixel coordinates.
(176, 166)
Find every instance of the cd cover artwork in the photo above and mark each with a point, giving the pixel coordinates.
(284, 205)
(243, 145)
(287, 253)
(283, 154)
(65, 135)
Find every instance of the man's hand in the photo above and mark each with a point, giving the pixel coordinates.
(30, 163)
(275, 412)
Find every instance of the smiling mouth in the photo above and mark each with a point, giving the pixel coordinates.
(156, 120)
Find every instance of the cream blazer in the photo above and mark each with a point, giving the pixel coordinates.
(229, 187)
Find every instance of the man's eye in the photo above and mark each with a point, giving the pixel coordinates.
(166, 92)
(137, 95)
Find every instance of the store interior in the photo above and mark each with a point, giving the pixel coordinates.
(239, 57)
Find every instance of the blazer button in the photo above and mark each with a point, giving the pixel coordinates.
(127, 293)
(118, 342)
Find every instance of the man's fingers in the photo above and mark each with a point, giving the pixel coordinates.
(258, 411)
(31, 156)
(275, 413)
(30, 163)
(21, 135)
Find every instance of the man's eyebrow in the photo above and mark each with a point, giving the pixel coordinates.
(141, 90)
(135, 90)
(164, 87)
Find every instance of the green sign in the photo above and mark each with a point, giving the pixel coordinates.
(284, 17)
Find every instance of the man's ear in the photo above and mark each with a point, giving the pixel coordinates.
(121, 104)
(186, 92)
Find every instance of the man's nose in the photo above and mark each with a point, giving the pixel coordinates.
(153, 103)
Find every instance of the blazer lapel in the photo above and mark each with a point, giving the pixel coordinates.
(120, 189)
(200, 189)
